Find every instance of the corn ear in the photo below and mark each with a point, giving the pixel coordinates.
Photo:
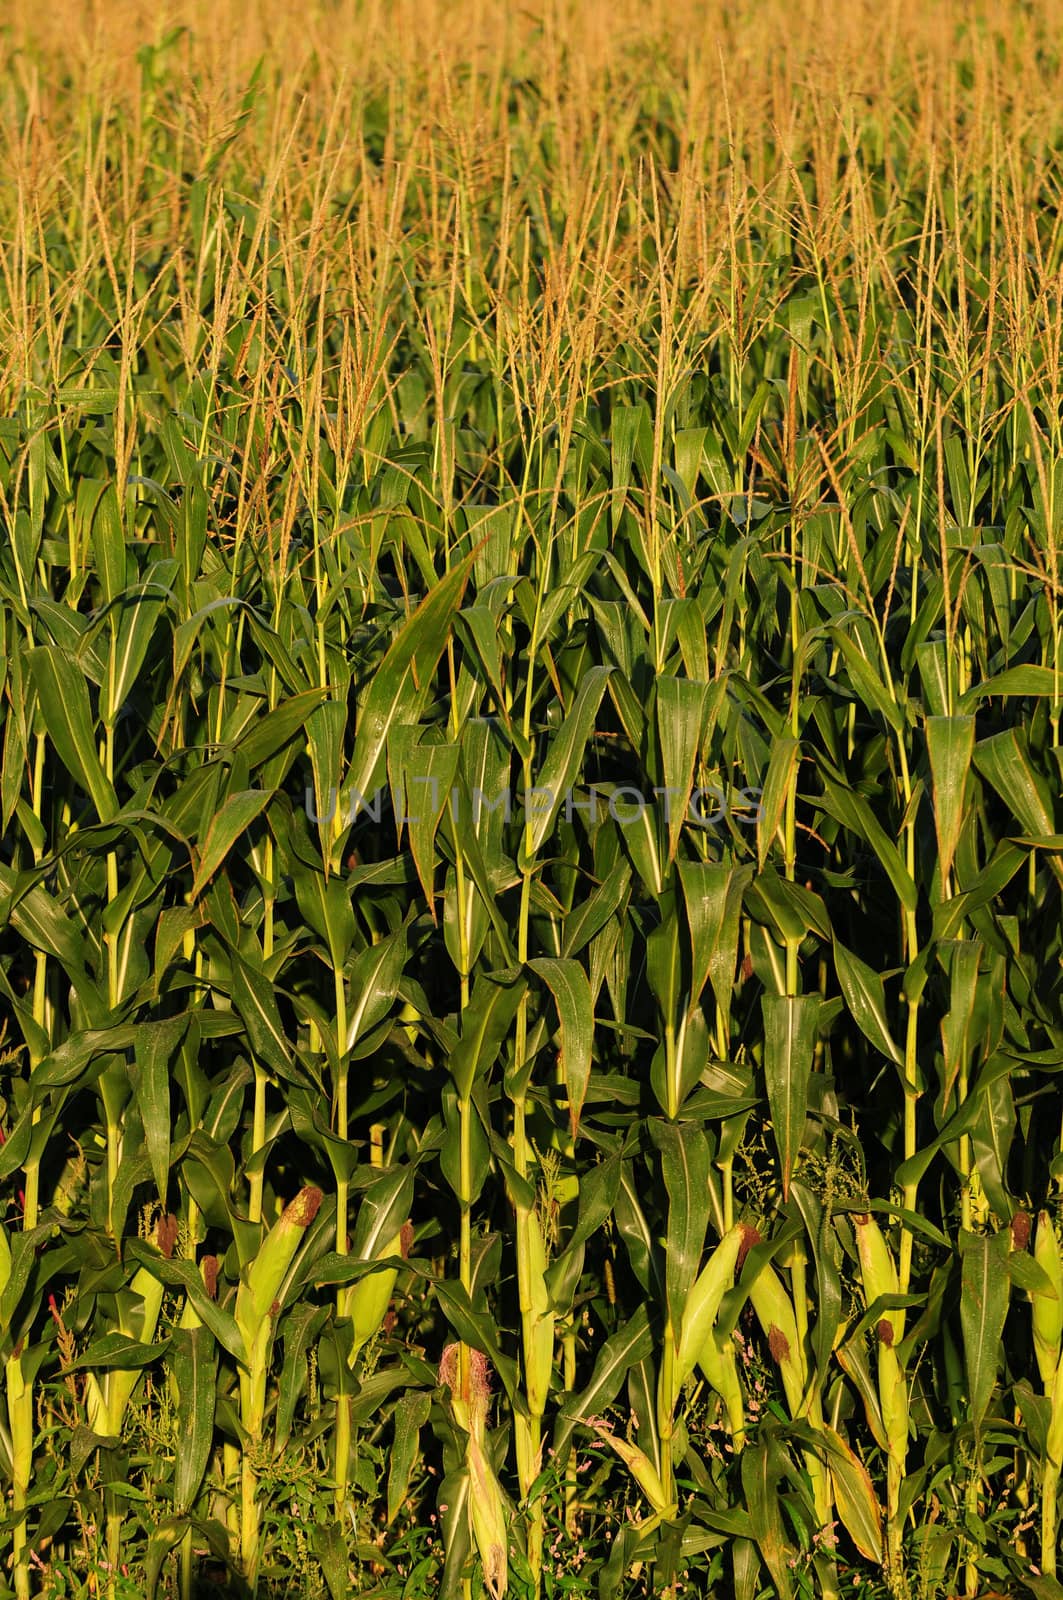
(371, 1296)
(641, 1468)
(538, 1320)
(488, 1517)
(703, 1302)
(255, 1298)
(775, 1313)
(877, 1270)
(716, 1359)
(106, 1402)
(1047, 1309)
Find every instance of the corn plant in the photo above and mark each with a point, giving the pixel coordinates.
(530, 702)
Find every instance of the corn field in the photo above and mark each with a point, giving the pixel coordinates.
(531, 786)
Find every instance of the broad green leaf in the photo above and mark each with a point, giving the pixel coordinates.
(866, 999)
(155, 1045)
(374, 975)
(867, 682)
(631, 1343)
(409, 1417)
(428, 772)
(254, 998)
(329, 1546)
(402, 682)
(301, 1328)
(781, 774)
(956, 1026)
(139, 613)
(227, 826)
(64, 701)
(855, 813)
(685, 1168)
(562, 760)
(950, 743)
(384, 1209)
(567, 982)
(984, 1292)
(713, 894)
(680, 715)
(193, 1362)
(789, 1038)
(762, 1472)
(1004, 760)
(1030, 681)
(273, 730)
(854, 1495)
(485, 1024)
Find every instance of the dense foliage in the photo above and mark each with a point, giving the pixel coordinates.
(531, 678)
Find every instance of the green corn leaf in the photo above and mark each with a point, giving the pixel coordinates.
(192, 1360)
(374, 978)
(485, 1024)
(225, 828)
(278, 728)
(854, 1495)
(866, 999)
(428, 773)
(781, 774)
(713, 895)
(185, 1275)
(140, 609)
(411, 1414)
(630, 1344)
(64, 701)
(763, 1469)
(685, 1167)
(567, 982)
(1004, 760)
(155, 1046)
(869, 686)
(984, 1293)
(384, 1209)
(855, 813)
(254, 998)
(1026, 682)
(789, 1037)
(328, 1545)
(950, 744)
(402, 682)
(563, 757)
(302, 1326)
(680, 716)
